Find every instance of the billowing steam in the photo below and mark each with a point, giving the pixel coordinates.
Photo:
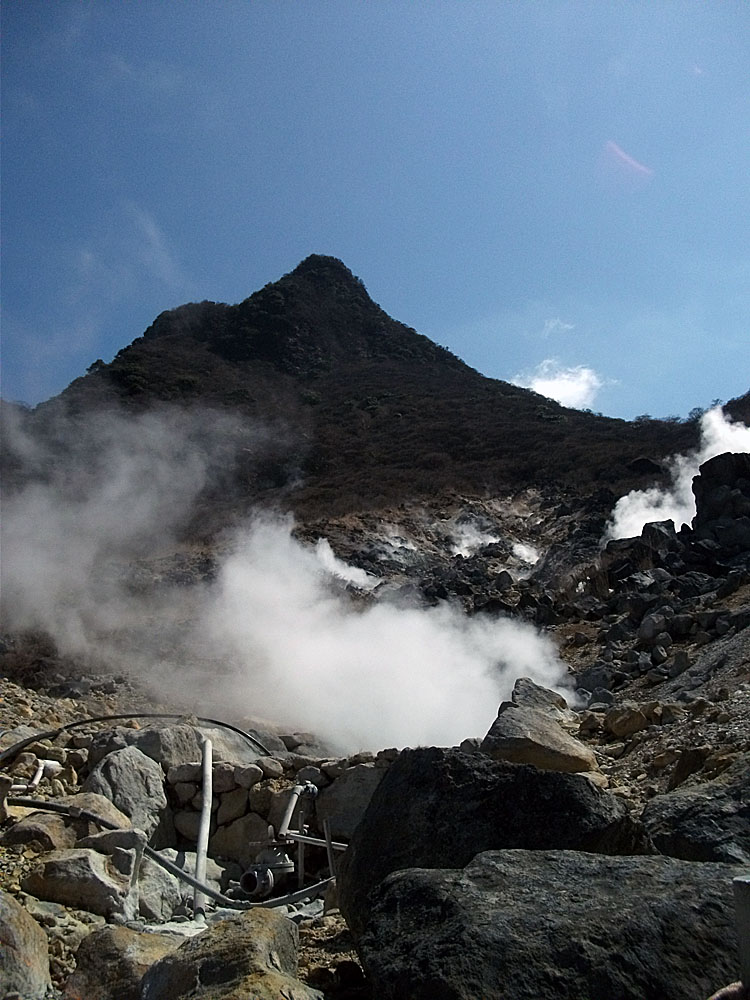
(640, 507)
(381, 675)
(338, 568)
(468, 538)
(526, 553)
(274, 634)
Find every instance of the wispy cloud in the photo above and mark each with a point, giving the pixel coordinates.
(556, 326)
(153, 249)
(129, 255)
(622, 170)
(575, 386)
(152, 76)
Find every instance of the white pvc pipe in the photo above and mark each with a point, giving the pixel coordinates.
(44, 768)
(199, 898)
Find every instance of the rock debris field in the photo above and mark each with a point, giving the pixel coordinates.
(583, 847)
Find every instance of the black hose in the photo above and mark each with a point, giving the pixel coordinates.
(173, 869)
(52, 734)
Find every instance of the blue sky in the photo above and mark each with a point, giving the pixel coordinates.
(558, 192)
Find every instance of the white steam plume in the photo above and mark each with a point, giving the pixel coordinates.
(343, 571)
(576, 386)
(274, 635)
(382, 675)
(639, 507)
(469, 538)
(527, 553)
(105, 491)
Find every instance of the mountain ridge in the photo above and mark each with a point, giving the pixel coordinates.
(366, 410)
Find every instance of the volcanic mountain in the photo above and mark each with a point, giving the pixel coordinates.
(363, 410)
(447, 550)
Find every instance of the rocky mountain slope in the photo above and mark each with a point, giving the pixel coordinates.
(363, 411)
(446, 527)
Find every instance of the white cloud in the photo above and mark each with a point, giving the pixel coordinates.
(576, 386)
(556, 325)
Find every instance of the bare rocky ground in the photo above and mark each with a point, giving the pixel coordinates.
(708, 734)
(660, 711)
(327, 958)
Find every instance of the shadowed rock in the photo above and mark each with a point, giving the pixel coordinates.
(439, 808)
(553, 925)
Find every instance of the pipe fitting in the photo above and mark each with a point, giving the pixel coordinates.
(307, 789)
(44, 769)
(271, 865)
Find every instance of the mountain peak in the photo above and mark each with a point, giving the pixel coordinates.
(318, 262)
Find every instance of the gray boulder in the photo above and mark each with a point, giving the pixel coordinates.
(553, 925)
(709, 821)
(230, 746)
(345, 801)
(84, 879)
(250, 955)
(49, 830)
(134, 783)
(528, 694)
(439, 808)
(168, 746)
(527, 735)
(241, 840)
(722, 500)
(159, 892)
(24, 968)
(111, 962)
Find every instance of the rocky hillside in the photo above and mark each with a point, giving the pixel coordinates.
(576, 833)
(363, 411)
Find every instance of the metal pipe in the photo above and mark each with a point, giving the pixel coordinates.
(304, 838)
(307, 789)
(311, 891)
(199, 899)
(16, 748)
(329, 846)
(301, 852)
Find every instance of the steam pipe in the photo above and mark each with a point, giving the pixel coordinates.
(307, 789)
(199, 899)
(329, 845)
(234, 904)
(44, 768)
(303, 838)
(301, 852)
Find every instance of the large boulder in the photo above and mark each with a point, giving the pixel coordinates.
(24, 967)
(553, 925)
(722, 501)
(438, 808)
(526, 735)
(87, 880)
(251, 955)
(111, 962)
(241, 840)
(56, 831)
(168, 746)
(134, 783)
(709, 821)
(345, 802)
